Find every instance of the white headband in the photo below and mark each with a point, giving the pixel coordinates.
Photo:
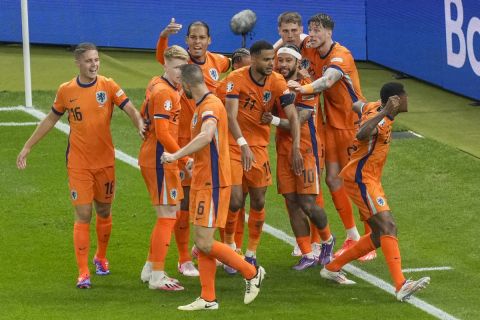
(289, 51)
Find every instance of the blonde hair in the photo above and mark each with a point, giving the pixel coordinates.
(82, 48)
(175, 52)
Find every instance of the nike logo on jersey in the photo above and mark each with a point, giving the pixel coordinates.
(72, 100)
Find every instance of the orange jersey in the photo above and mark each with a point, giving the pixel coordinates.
(162, 103)
(340, 97)
(369, 156)
(211, 168)
(90, 108)
(221, 91)
(253, 100)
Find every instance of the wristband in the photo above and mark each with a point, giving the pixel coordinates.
(241, 141)
(308, 89)
(275, 121)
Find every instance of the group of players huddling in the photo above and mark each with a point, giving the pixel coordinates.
(205, 149)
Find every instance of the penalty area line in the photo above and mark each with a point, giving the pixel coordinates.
(281, 235)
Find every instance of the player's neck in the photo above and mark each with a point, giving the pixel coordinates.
(325, 48)
(199, 92)
(198, 60)
(86, 80)
(257, 76)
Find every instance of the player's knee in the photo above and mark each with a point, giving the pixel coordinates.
(235, 204)
(388, 227)
(204, 245)
(307, 204)
(333, 182)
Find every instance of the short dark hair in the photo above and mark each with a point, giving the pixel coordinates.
(239, 54)
(322, 19)
(82, 48)
(290, 17)
(391, 89)
(191, 74)
(198, 23)
(260, 45)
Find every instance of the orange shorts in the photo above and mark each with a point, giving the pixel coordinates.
(338, 145)
(368, 196)
(260, 175)
(89, 184)
(185, 178)
(289, 182)
(209, 207)
(163, 185)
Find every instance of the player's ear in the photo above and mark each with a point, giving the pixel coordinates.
(209, 40)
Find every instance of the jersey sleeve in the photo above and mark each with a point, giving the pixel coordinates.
(340, 61)
(162, 103)
(224, 63)
(232, 86)
(162, 45)
(210, 112)
(59, 106)
(281, 91)
(118, 95)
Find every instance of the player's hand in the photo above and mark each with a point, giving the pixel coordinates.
(189, 166)
(304, 73)
(392, 106)
(22, 158)
(171, 28)
(266, 118)
(167, 157)
(297, 161)
(142, 128)
(295, 86)
(247, 157)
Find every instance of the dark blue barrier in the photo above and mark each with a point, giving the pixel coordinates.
(136, 24)
(434, 40)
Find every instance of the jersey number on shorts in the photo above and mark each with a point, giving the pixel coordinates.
(201, 208)
(109, 188)
(308, 176)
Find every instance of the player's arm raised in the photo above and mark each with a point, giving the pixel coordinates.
(136, 118)
(42, 129)
(231, 104)
(369, 127)
(199, 142)
(162, 43)
(329, 78)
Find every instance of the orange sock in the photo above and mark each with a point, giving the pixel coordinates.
(255, 224)
(361, 248)
(104, 228)
(304, 244)
(182, 235)
(344, 207)
(314, 235)
(325, 233)
(391, 252)
(367, 228)
(207, 267)
(160, 241)
(239, 230)
(225, 254)
(81, 243)
(230, 226)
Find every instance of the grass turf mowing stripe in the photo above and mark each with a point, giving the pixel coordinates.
(359, 273)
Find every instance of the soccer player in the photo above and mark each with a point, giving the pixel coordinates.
(160, 112)
(89, 99)
(300, 192)
(362, 178)
(337, 77)
(290, 29)
(250, 92)
(210, 190)
(212, 65)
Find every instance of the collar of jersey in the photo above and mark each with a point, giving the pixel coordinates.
(86, 85)
(203, 98)
(329, 50)
(255, 81)
(196, 61)
(169, 83)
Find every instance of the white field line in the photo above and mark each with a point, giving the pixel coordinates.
(418, 135)
(17, 124)
(359, 273)
(427, 269)
(17, 108)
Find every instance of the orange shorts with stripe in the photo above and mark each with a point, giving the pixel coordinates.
(260, 175)
(163, 185)
(338, 145)
(368, 196)
(185, 178)
(209, 207)
(87, 185)
(306, 183)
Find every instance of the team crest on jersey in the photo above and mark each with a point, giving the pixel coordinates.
(267, 95)
(381, 123)
(380, 201)
(230, 86)
(173, 193)
(74, 194)
(194, 120)
(213, 73)
(305, 64)
(168, 105)
(101, 97)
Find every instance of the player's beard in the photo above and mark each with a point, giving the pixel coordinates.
(290, 74)
(264, 72)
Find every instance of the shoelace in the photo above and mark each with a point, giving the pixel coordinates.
(249, 285)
